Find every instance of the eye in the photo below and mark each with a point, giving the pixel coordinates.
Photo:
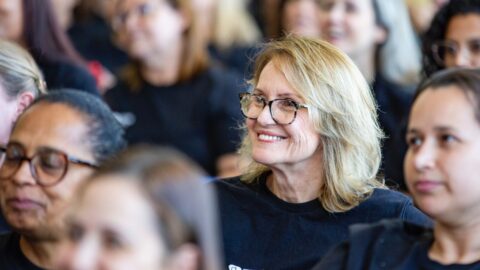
(287, 105)
(258, 100)
(112, 241)
(447, 139)
(474, 46)
(75, 233)
(144, 9)
(325, 5)
(351, 7)
(413, 141)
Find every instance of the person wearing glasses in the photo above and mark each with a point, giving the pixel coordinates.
(453, 39)
(56, 143)
(20, 83)
(441, 168)
(170, 92)
(312, 145)
(160, 216)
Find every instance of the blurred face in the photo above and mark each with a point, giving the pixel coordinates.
(148, 28)
(301, 17)
(296, 144)
(11, 20)
(463, 34)
(113, 227)
(8, 111)
(443, 158)
(35, 210)
(350, 25)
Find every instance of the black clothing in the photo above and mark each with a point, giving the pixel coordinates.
(3, 224)
(394, 104)
(261, 231)
(389, 244)
(199, 117)
(92, 39)
(237, 59)
(63, 74)
(11, 256)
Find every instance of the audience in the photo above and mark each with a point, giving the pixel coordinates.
(159, 215)
(170, 94)
(57, 142)
(441, 169)
(313, 146)
(453, 39)
(32, 24)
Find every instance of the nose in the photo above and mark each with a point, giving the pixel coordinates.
(24, 174)
(265, 118)
(424, 157)
(462, 58)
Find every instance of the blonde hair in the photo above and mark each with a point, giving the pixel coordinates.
(342, 110)
(18, 71)
(234, 26)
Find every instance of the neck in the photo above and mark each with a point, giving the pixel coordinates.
(297, 185)
(40, 252)
(365, 62)
(163, 70)
(456, 244)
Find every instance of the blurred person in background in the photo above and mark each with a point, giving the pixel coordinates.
(170, 94)
(379, 38)
(453, 39)
(155, 210)
(422, 12)
(441, 169)
(20, 83)
(312, 144)
(33, 25)
(55, 144)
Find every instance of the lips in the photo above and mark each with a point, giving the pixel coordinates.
(23, 204)
(426, 186)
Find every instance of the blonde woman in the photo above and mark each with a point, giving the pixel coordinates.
(313, 143)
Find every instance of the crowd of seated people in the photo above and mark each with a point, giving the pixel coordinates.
(239, 134)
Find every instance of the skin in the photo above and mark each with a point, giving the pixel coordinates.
(441, 168)
(37, 212)
(350, 26)
(463, 29)
(301, 17)
(113, 232)
(11, 20)
(10, 109)
(294, 153)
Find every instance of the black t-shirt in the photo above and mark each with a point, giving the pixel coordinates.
(389, 244)
(261, 231)
(11, 256)
(200, 117)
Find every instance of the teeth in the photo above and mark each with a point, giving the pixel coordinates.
(269, 138)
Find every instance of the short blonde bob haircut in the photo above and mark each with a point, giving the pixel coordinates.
(343, 112)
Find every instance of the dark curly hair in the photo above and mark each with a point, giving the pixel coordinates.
(438, 28)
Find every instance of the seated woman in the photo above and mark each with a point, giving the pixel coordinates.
(170, 95)
(453, 39)
(154, 208)
(441, 169)
(20, 83)
(32, 24)
(55, 144)
(313, 144)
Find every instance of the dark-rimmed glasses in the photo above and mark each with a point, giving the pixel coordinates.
(282, 110)
(445, 51)
(48, 166)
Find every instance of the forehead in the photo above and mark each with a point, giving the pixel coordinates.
(461, 26)
(54, 125)
(272, 80)
(447, 105)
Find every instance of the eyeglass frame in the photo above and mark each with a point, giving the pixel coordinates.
(298, 106)
(435, 48)
(67, 157)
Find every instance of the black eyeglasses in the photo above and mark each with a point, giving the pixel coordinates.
(283, 110)
(48, 166)
(445, 51)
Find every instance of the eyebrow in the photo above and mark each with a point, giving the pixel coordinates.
(282, 95)
(437, 129)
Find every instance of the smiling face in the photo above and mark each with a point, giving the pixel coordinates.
(113, 232)
(443, 158)
(32, 209)
(274, 145)
(350, 25)
(301, 17)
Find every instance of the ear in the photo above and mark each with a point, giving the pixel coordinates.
(186, 257)
(381, 34)
(23, 101)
